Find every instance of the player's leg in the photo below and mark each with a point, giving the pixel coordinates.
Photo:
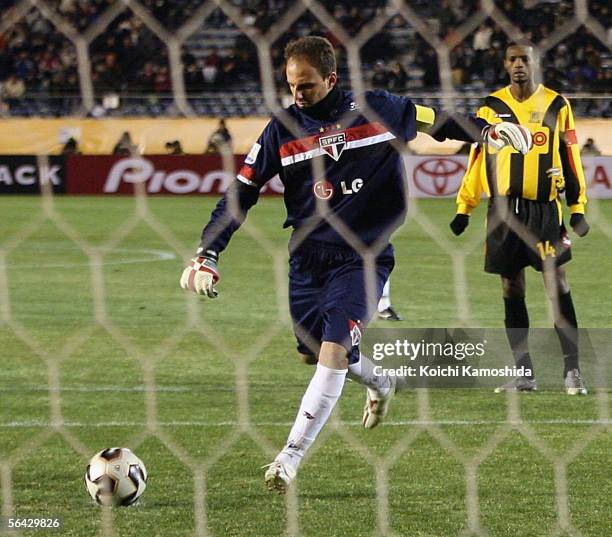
(362, 372)
(380, 388)
(385, 298)
(345, 306)
(341, 307)
(517, 331)
(385, 310)
(306, 286)
(566, 326)
(553, 232)
(507, 254)
(318, 401)
(332, 311)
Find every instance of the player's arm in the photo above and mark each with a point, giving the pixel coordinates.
(470, 192)
(260, 165)
(575, 189)
(472, 129)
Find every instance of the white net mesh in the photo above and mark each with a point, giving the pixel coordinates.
(85, 42)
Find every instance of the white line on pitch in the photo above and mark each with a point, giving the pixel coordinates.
(152, 255)
(453, 423)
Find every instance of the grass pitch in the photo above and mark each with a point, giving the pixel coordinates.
(106, 350)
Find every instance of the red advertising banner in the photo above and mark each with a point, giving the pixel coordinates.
(160, 174)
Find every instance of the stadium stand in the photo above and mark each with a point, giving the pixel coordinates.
(39, 71)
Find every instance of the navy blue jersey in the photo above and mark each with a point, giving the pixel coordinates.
(362, 182)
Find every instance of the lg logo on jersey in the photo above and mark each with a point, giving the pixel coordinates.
(354, 188)
(324, 190)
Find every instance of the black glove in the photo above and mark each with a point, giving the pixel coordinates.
(579, 224)
(459, 223)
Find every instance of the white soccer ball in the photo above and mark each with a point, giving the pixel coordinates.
(115, 476)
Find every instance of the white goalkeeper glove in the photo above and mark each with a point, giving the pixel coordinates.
(505, 133)
(201, 276)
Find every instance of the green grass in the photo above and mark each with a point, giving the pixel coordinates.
(236, 364)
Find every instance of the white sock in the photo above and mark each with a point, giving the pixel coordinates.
(385, 299)
(363, 373)
(317, 404)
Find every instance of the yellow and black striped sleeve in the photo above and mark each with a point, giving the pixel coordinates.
(474, 181)
(575, 190)
(471, 189)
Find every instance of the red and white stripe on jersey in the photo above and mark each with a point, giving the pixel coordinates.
(246, 175)
(308, 148)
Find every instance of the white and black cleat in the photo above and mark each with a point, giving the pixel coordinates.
(278, 476)
(376, 406)
(574, 383)
(389, 314)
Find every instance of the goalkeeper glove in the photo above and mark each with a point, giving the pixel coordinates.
(579, 224)
(202, 275)
(505, 133)
(459, 223)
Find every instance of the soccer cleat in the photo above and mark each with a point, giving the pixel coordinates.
(519, 384)
(389, 314)
(278, 476)
(376, 406)
(574, 383)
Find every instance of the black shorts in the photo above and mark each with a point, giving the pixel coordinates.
(544, 236)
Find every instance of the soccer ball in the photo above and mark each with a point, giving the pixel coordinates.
(115, 476)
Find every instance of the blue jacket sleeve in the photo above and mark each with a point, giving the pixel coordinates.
(230, 212)
(405, 118)
(397, 113)
(260, 165)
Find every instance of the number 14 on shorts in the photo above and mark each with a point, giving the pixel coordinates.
(546, 250)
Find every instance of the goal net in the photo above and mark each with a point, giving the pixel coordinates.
(442, 54)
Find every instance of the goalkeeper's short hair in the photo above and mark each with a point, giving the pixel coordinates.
(318, 51)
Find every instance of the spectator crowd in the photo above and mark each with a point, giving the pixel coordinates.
(38, 61)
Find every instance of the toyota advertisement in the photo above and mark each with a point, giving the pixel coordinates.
(429, 176)
(440, 176)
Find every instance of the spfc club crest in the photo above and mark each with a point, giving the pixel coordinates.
(333, 144)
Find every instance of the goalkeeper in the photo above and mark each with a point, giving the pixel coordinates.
(524, 217)
(359, 199)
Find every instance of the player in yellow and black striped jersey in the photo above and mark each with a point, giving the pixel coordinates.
(524, 218)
